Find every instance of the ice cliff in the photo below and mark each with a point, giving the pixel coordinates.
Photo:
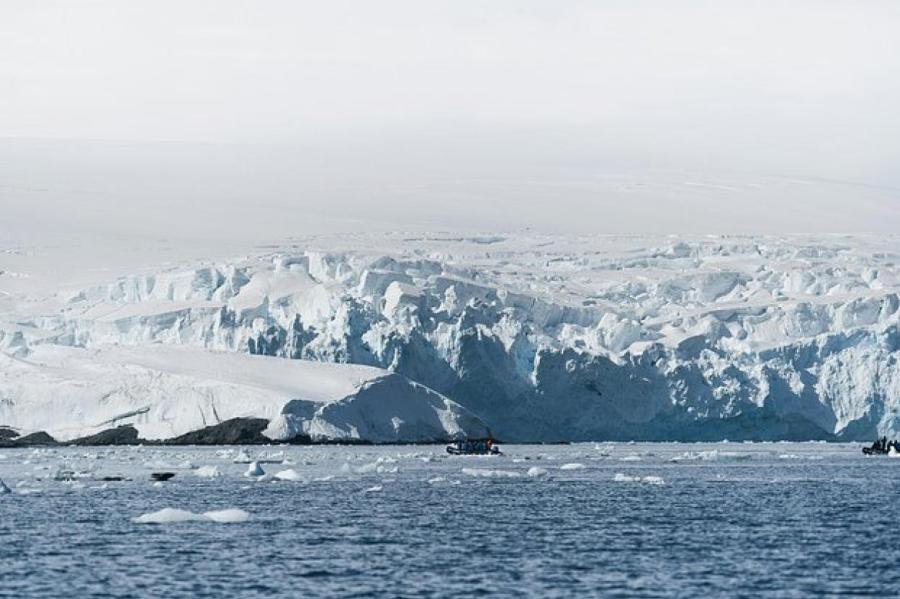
(542, 338)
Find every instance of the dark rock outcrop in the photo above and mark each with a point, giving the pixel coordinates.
(237, 431)
(38, 439)
(122, 435)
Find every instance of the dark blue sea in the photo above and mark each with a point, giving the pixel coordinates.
(606, 520)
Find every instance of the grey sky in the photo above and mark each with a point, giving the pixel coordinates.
(419, 113)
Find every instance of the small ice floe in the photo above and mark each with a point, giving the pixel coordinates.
(572, 466)
(170, 515)
(485, 473)
(650, 480)
(254, 470)
(242, 458)
(374, 489)
(4, 490)
(64, 475)
(535, 472)
(208, 472)
(437, 479)
(631, 458)
(324, 479)
(275, 457)
(289, 474)
(378, 467)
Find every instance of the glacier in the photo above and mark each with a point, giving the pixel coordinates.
(535, 337)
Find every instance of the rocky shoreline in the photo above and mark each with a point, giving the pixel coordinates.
(236, 431)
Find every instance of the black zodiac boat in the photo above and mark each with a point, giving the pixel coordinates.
(474, 447)
(882, 447)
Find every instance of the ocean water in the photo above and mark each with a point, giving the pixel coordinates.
(612, 520)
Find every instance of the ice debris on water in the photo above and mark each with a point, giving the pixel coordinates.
(572, 466)
(290, 474)
(711, 455)
(3, 488)
(171, 515)
(374, 489)
(650, 480)
(254, 470)
(208, 472)
(485, 473)
(242, 458)
(535, 472)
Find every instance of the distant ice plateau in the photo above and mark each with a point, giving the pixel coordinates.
(415, 337)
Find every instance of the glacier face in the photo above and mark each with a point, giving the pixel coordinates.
(544, 338)
(164, 391)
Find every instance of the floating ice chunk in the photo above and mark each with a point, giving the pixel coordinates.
(64, 475)
(271, 458)
(650, 480)
(208, 472)
(437, 479)
(242, 458)
(535, 472)
(624, 478)
(485, 473)
(289, 474)
(631, 458)
(171, 515)
(572, 466)
(711, 456)
(254, 470)
(228, 516)
(374, 489)
(3, 488)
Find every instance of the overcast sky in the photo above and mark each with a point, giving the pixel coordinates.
(599, 116)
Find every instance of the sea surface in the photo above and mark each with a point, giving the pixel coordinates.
(611, 520)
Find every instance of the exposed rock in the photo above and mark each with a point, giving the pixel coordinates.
(38, 439)
(122, 435)
(237, 431)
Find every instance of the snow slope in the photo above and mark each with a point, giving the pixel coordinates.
(543, 337)
(166, 390)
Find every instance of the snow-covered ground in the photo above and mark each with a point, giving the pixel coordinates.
(542, 337)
